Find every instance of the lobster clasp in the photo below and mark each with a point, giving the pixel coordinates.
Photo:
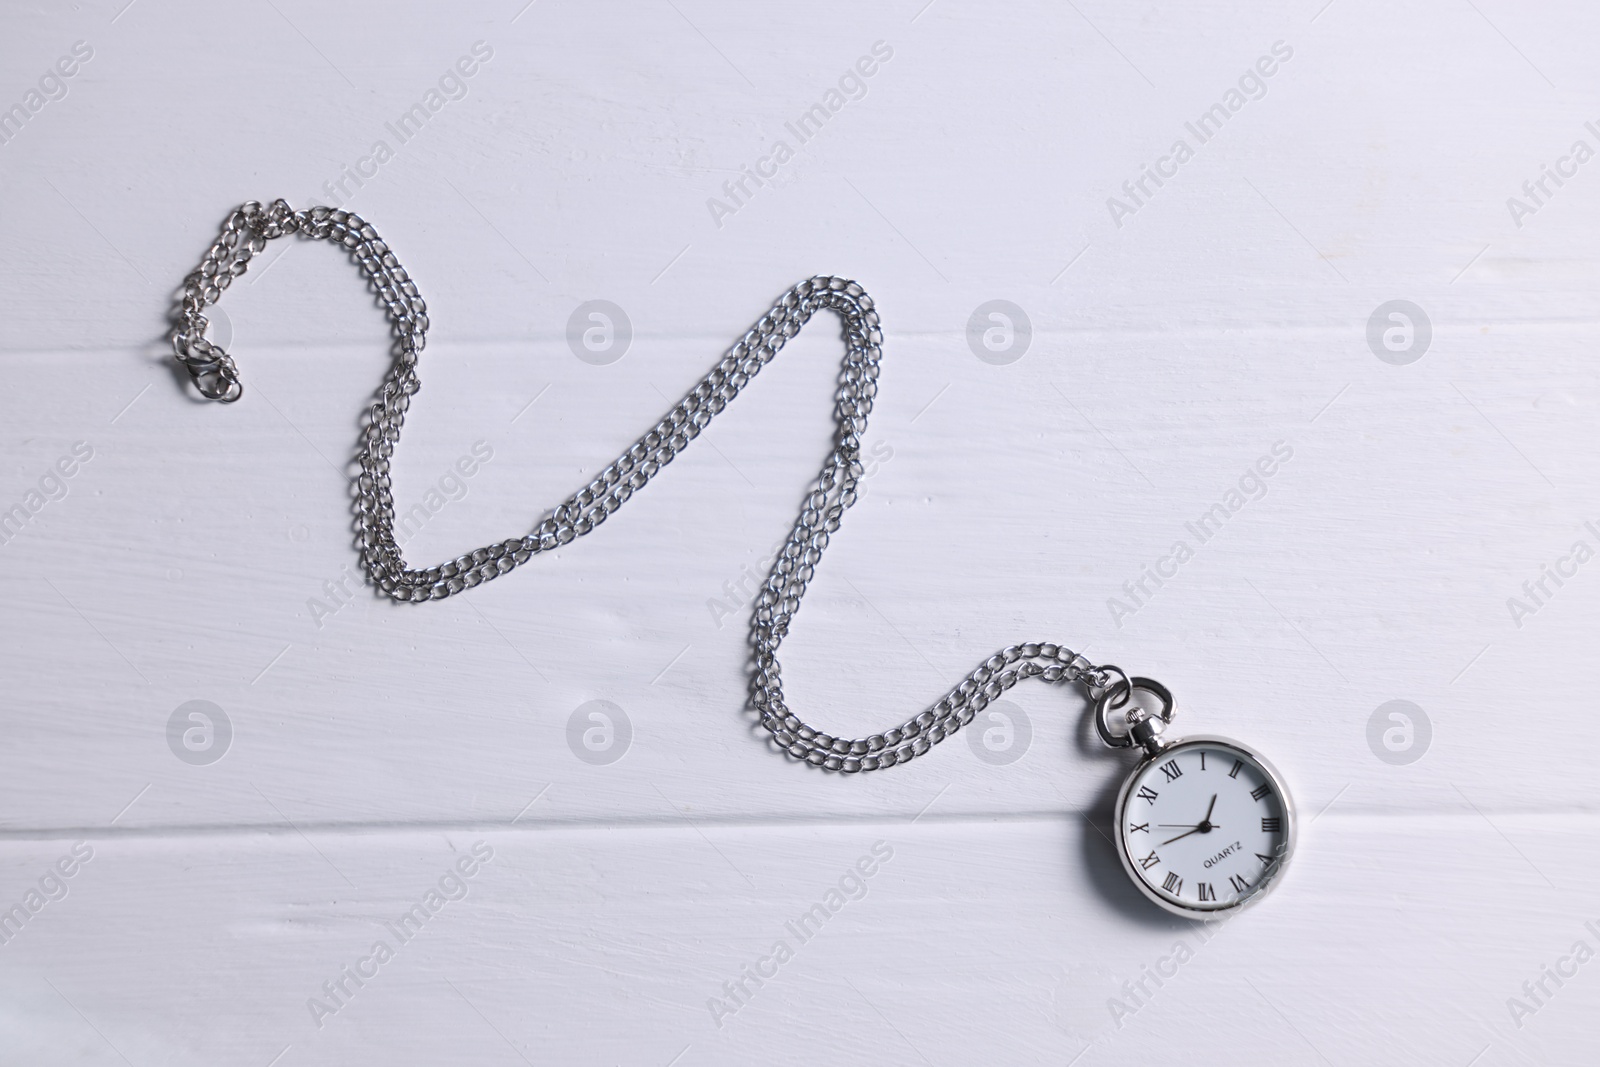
(212, 369)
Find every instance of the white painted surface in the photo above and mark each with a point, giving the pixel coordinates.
(1227, 314)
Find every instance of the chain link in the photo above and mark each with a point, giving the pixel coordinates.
(245, 234)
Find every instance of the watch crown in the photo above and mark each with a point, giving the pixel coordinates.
(1145, 730)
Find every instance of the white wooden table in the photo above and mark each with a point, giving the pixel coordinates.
(225, 910)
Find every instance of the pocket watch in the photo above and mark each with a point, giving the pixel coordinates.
(1205, 825)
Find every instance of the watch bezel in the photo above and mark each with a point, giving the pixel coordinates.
(1285, 847)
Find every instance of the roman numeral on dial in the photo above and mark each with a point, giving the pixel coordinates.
(1139, 826)
(1260, 791)
(1238, 883)
(1237, 765)
(1173, 884)
(1271, 826)
(1172, 770)
(1146, 793)
(1266, 861)
(1149, 861)
(1204, 891)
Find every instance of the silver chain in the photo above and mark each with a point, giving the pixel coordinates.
(246, 233)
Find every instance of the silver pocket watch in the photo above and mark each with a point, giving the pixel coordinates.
(1205, 825)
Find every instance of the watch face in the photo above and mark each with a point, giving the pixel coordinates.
(1205, 825)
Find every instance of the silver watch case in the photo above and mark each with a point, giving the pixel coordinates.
(1285, 847)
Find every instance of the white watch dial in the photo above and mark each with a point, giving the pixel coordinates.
(1204, 825)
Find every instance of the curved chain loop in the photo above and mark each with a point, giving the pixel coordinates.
(245, 234)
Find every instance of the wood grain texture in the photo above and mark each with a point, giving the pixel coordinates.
(204, 552)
